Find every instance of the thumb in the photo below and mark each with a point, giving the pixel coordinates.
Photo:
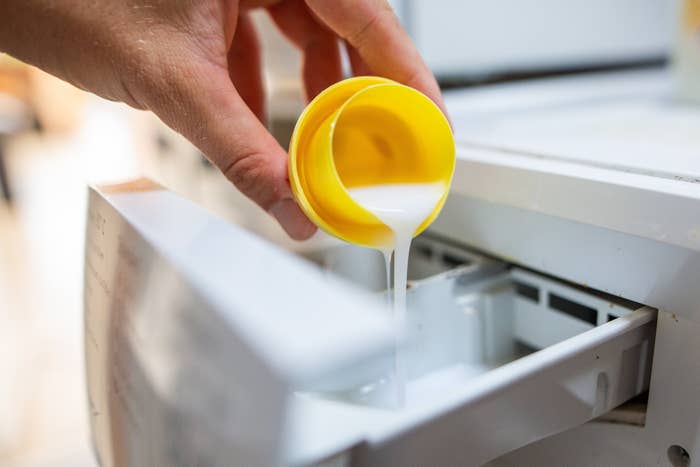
(217, 120)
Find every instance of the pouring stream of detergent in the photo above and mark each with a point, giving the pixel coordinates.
(391, 149)
(403, 208)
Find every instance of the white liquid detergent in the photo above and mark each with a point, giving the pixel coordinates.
(403, 208)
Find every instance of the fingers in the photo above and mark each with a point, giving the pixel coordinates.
(245, 67)
(358, 65)
(321, 56)
(372, 29)
(253, 160)
(203, 105)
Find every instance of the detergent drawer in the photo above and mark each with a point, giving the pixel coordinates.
(200, 349)
(497, 357)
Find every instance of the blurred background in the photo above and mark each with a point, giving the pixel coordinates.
(54, 140)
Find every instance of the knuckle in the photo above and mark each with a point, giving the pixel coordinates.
(251, 174)
(359, 37)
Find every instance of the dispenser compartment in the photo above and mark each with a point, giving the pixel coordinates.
(496, 357)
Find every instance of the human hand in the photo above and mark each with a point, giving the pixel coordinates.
(196, 64)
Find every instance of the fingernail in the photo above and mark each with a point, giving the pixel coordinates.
(292, 219)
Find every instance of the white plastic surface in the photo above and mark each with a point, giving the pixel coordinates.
(627, 121)
(495, 412)
(670, 416)
(271, 305)
(191, 327)
(195, 327)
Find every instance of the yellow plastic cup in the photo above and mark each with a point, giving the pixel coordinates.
(366, 131)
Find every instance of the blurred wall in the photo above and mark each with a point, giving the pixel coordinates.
(463, 38)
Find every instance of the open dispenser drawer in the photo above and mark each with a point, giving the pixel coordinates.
(497, 357)
(207, 346)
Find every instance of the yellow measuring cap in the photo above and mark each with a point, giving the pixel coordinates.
(366, 131)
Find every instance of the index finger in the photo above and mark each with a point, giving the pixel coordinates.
(372, 29)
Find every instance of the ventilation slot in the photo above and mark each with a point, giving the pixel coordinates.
(527, 291)
(454, 261)
(571, 308)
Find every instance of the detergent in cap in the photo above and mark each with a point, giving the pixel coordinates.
(361, 132)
